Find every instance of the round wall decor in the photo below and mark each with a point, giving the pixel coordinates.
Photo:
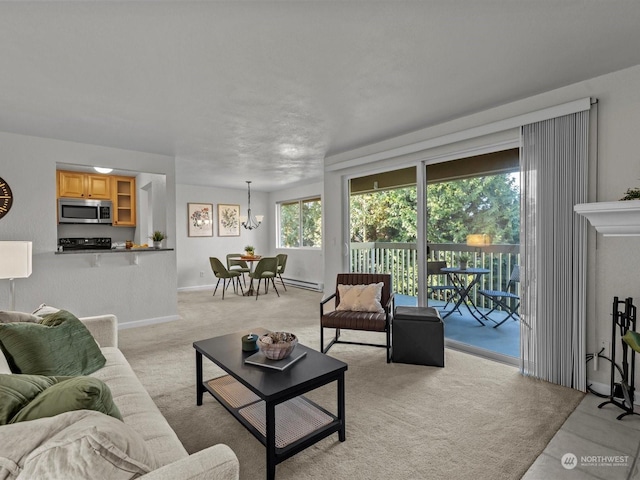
(6, 198)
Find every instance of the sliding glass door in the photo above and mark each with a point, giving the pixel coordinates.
(473, 228)
(383, 229)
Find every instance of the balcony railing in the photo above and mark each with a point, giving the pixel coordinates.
(401, 261)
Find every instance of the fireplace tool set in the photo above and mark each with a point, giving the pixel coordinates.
(624, 320)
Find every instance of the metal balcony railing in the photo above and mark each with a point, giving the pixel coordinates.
(401, 261)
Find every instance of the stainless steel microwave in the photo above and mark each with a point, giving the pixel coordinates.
(72, 210)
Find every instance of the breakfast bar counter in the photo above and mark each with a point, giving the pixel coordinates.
(99, 251)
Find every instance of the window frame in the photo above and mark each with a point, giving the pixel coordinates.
(299, 202)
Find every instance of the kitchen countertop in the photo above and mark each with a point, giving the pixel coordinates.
(115, 250)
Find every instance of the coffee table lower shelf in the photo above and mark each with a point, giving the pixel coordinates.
(299, 422)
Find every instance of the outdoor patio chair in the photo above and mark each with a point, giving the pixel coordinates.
(434, 272)
(372, 321)
(503, 298)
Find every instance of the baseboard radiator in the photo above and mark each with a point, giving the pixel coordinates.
(315, 286)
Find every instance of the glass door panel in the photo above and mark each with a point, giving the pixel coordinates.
(383, 229)
(473, 227)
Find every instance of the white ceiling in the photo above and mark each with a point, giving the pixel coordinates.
(263, 90)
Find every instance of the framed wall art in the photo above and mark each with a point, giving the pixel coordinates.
(228, 220)
(200, 219)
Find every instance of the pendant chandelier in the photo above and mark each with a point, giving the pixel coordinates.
(249, 221)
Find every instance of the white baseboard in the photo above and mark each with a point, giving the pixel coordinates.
(290, 282)
(147, 321)
(605, 389)
(196, 288)
(601, 388)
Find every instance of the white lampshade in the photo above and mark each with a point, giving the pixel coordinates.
(15, 259)
(260, 218)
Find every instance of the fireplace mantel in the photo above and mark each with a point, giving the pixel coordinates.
(620, 218)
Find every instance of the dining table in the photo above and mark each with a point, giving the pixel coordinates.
(464, 280)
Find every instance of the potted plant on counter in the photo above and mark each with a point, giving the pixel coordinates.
(157, 238)
(249, 251)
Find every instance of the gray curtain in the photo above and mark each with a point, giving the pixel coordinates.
(554, 159)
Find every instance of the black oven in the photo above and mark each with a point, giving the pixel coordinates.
(100, 243)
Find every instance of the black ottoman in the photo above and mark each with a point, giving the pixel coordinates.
(418, 336)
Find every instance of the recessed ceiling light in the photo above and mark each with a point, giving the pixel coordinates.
(103, 170)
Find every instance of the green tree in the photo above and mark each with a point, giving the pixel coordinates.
(488, 205)
(384, 216)
(457, 208)
(306, 214)
(311, 223)
(289, 225)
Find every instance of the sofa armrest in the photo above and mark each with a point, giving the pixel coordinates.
(214, 463)
(104, 329)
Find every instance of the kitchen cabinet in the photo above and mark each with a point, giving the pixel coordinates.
(83, 185)
(124, 201)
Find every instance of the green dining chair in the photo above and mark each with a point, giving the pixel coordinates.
(266, 269)
(234, 264)
(223, 274)
(282, 263)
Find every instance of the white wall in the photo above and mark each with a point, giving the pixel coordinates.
(133, 293)
(193, 252)
(614, 266)
(151, 204)
(304, 264)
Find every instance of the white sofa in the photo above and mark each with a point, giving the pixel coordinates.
(138, 411)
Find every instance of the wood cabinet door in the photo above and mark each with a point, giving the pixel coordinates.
(99, 187)
(71, 184)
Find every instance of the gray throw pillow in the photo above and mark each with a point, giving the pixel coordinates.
(10, 317)
(74, 445)
(45, 309)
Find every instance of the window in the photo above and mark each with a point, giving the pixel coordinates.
(300, 223)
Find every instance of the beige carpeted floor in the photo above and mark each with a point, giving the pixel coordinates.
(474, 419)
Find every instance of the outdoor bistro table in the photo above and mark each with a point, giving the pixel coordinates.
(459, 278)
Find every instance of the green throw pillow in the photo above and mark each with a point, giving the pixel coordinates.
(76, 393)
(16, 391)
(60, 345)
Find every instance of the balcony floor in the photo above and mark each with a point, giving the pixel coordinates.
(465, 329)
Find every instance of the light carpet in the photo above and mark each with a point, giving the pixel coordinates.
(474, 419)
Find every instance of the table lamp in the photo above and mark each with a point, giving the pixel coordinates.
(15, 262)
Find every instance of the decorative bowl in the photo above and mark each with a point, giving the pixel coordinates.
(277, 345)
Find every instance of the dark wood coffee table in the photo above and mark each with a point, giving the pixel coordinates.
(269, 403)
